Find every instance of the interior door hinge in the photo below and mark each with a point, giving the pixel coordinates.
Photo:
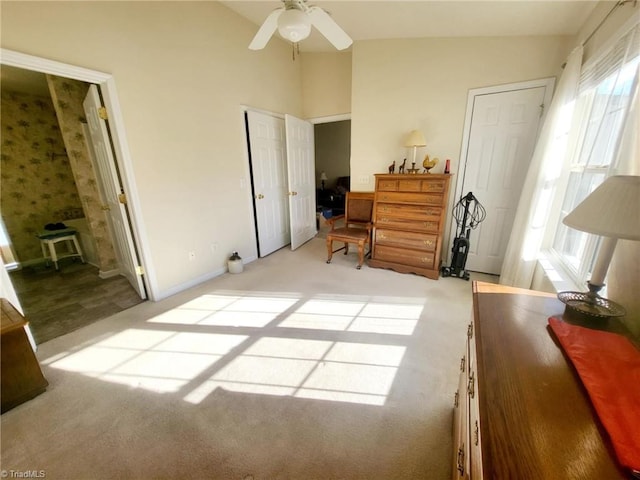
(102, 113)
(541, 109)
(122, 198)
(139, 270)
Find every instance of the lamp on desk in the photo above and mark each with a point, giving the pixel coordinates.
(323, 178)
(612, 211)
(415, 140)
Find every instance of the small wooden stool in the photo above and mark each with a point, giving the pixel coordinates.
(48, 242)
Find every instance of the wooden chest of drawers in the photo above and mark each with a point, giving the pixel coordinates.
(521, 411)
(409, 217)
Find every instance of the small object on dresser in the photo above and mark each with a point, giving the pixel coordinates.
(428, 163)
(401, 167)
(447, 166)
(392, 167)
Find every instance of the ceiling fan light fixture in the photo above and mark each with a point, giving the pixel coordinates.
(294, 25)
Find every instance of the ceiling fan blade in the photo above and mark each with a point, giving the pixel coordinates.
(329, 28)
(266, 30)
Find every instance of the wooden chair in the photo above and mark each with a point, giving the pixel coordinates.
(357, 225)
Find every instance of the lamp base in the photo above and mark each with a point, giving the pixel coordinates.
(591, 304)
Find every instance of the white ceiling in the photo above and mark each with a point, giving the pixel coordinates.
(379, 19)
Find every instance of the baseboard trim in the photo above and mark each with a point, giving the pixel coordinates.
(190, 284)
(108, 274)
(197, 281)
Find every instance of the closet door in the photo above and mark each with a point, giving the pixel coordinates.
(267, 150)
(301, 176)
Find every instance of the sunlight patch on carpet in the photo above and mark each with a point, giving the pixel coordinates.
(343, 349)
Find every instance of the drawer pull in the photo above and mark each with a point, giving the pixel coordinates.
(462, 362)
(456, 399)
(460, 461)
(428, 243)
(384, 220)
(476, 434)
(382, 236)
(426, 260)
(471, 387)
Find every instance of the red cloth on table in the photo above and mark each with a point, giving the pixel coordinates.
(609, 366)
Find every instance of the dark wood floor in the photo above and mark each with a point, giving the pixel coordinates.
(56, 303)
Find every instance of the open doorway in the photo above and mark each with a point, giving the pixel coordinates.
(332, 151)
(46, 179)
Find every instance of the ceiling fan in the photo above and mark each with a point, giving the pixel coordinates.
(294, 21)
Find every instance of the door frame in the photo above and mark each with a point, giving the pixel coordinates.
(548, 83)
(107, 85)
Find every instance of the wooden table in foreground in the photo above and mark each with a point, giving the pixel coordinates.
(521, 411)
(22, 378)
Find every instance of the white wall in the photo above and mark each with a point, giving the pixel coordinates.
(326, 83)
(406, 84)
(401, 85)
(182, 71)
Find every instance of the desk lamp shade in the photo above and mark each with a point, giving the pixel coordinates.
(612, 211)
(415, 140)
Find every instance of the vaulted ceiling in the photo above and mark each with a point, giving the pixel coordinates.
(379, 19)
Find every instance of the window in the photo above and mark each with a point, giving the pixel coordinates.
(605, 92)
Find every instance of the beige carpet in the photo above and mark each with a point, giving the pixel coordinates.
(293, 369)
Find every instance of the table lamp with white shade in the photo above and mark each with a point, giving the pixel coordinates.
(415, 140)
(612, 211)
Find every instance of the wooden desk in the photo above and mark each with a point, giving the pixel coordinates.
(522, 411)
(21, 376)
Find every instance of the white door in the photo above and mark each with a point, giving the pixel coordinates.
(502, 138)
(269, 173)
(301, 176)
(111, 190)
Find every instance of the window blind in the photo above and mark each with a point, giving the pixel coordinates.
(624, 50)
